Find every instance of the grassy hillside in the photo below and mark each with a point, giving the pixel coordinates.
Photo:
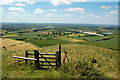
(82, 64)
(11, 45)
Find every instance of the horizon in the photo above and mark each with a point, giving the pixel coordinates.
(55, 23)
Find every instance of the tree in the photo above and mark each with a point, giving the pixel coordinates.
(78, 35)
(38, 35)
(40, 38)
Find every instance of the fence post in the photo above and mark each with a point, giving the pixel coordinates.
(57, 58)
(26, 55)
(59, 55)
(36, 56)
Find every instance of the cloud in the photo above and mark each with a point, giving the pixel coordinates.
(97, 16)
(54, 10)
(60, 2)
(16, 9)
(83, 17)
(1, 9)
(14, 13)
(51, 14)
(6, 2)
(92, 14)
(82, 12)
(79, 0)
(57, 15)
(68, 14)
(30, 2)
(113, 12)
(20, 4)
(108, 15)
(75, 9)
(27, 1)
(116, 6)
(39, 11)
(10, 2)
(28, 15)
(105, 7)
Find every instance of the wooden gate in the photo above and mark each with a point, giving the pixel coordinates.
(43, 59)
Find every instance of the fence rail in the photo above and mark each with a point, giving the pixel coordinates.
(48, 54)
(47, 57)
(48, 61)
(24, 58)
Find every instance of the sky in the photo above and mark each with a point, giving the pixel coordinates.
(59, 11)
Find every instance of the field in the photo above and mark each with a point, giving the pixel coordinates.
(48, 39)
(106, 65)
(12, 45)
(90, 56)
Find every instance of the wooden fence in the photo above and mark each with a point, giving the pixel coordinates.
(41, 58)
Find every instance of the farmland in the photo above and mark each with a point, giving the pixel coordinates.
(82, 49)
(65, 34)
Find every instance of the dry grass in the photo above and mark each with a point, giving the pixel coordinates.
(77, 35)
(75, 40)
(12, 45)
(71, 39)
(10, 35)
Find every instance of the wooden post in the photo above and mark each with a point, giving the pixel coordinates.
(60, 48)
(59, 55)
(36, 56)
(57, 58)
(26, 55)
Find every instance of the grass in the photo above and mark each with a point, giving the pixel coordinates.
(12, 45)
(76, 35)
(90, 38)
(99, 44)
(70, 39)
(82, 64)
(9, 35)
(113, 41)
(48, 42)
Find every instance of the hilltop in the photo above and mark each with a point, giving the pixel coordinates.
(85, 61)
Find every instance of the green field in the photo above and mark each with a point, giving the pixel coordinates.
(47, 42)
(99, 44)
(50, 40)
